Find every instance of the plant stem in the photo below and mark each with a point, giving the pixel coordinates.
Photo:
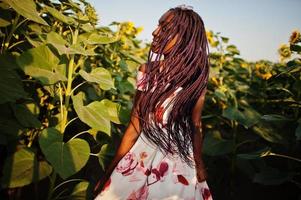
(233, 160)
(14, 27)
(69, 122)
(52, 182)
(71, 180)
(79, 134)
(61, 108)
(284, 156)
(69, 83)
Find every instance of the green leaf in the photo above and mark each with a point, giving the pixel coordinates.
(26, 8)
(4, 23)
(275, 117)
(80, 191)
(11, 87)
(215, 145)
(125, 86)
(66, 158)
(97, 38)
(87, 27)
(74, 49)
(22, 168)
(268, 133)
(113, 110)
(255, 155)
(233, 113)
(99, 75)
(41, 64)
(9, 126)
(105, 155)
(232, 49)
(134, 58)
(225, 39)
(248, 117)
(33, 42)
(220, 94)
(55, 38)
(95, 114)
(25, 117)
(60, 16)
(295, 47)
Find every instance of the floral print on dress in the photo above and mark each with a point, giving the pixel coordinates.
(157, 174)
(127, 164)
(139, 177)
(140, 194)
(204, 190)
(206, 193)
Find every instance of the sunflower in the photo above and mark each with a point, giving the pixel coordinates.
(284, 51)
(295, 37)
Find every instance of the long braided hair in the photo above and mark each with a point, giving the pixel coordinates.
(186, 66)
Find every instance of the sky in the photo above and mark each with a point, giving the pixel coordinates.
(256, 27)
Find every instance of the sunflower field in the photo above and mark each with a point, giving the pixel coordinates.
(66, 93)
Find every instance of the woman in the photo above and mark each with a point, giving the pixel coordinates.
(160, 153)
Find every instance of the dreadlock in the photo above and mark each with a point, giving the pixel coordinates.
(186, 66)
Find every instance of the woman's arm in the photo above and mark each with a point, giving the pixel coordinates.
(129, 138)
(198, 138)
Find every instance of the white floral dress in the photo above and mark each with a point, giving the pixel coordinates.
(145, 173)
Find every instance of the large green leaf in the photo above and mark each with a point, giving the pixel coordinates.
(268, 133)
(25, 117)
(10, 128)
(113, 110)
(41, 64)
(55, 39)
(4, 23)
(64, 48)
(22, 168)
(26, 8)
(99, 75)
(66, 158)
(11, 87)
(59, 15)
(97, 38)
(247, 117)
(105, 155)
(215, 145)
(95, 114)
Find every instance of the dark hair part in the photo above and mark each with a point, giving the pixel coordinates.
(186, 66)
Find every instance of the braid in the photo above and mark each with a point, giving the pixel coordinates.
(186, 66)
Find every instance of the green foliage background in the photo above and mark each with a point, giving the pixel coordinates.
(66, 89)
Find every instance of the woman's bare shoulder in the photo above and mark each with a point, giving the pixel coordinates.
(142, 67)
